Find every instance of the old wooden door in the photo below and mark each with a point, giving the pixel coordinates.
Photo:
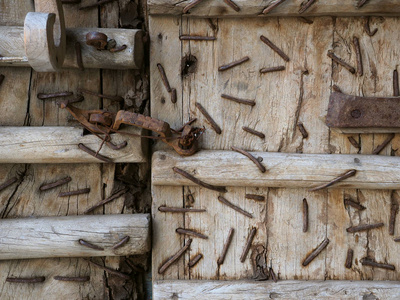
(296, 92)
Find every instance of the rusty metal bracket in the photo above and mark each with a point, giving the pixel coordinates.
(353, 114)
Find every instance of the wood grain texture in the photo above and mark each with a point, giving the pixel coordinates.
(12, 45)
(60, 145)
(228, 168)
(58, 236)
(254, 8)
(287, 289)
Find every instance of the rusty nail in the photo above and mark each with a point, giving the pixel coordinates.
(396, 91)
(232, 5)
(349, 258)
(180, 209)
(316, 252)
(271, 6)
(255, 197)
(394, 209)
(57, 183)
(211, 24)
(90, 245)
(64, 103)
(185, 174)
(111, 271)
(273, 275)
(164, 77)
(1, 78)
(118, 49)
(109, 97)
(349, 202)
(354, 142)
(197, 38)
(336, 89)
(191, 5)
(346, 175)
(369, 262)
(213, 124)
(238, 100)
(78, 52)
(94, 154)
(26, 280)
(341, 62)
(360, 3)
(221, 259)
(306, 20)
(73, 193)
(43, 96)
(397, 239)
(275, 48)
(121, 242)
(8, 182)
(305, 215)
(255, 132)
(303, 131)
(364, 227)
(105, 201)
(356, 45)
(99, 3)
(233, 64)
(195, 260)
(367, 28)
(251, 157)
(233, 206)
(76, 279)
(384, 144)
(305, 5)
(191, 232)
(187, 123)
(247, 246)
(272, 69)
(174, 258)
(174, 97)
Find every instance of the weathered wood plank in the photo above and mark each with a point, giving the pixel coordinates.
(59, 236)
(254, 8)
(288, 289)
(227, 168)
(60, 145)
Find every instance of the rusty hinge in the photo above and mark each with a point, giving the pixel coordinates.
(353, 114)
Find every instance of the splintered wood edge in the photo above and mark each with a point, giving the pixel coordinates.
(59, 236)
(216, 8)
(59, 144)
(289, 170)
(293, 289)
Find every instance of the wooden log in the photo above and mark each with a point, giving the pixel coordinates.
(59, 236)
(216, 8)
(12, 45)
(287, 289)
(60, 145)
(227, 168)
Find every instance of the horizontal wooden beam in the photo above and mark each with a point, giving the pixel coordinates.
(289, 170)
(289, 8)
(286, 289)
(59, 236)
(12, 45)
(60, 145)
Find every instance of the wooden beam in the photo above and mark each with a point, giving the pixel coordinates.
(228, 168)
(287, 289)
(12, 45)
(252, 8)
(60, 145)
(59, 236)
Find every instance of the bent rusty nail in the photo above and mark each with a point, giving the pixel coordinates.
(344, 176)
(253, 131)
(90, 245)
(111, 271)
(55, 184)
(185, 174)
(94, 154)
(233, 206)
(121, 242)
(107, 200)
(251, 157)
(341, 62)
(174, 258)
(349, 202)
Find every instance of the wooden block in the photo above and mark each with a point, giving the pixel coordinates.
(227, 168)
(254, 8)
(58, 236)
(60, 145)
(288, 289)
(12, 45)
